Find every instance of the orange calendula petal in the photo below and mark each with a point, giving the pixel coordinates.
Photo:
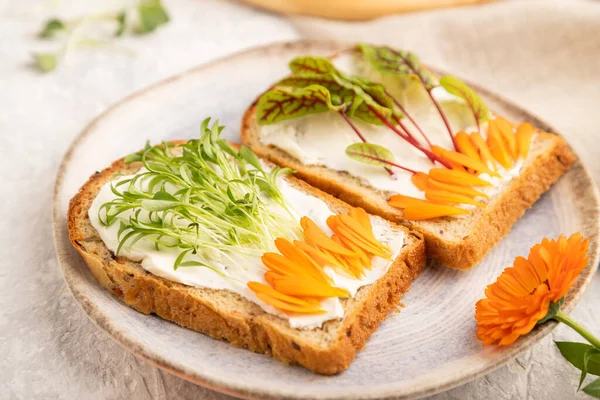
(357, 228)
(483, 149)
(498, 149)
(292, 252)
(283, 265)
(442, 196)
(438, 151)
(315, 235)
(464, 190)
(270, 277)
(524, 136)
(402, 201)
(431, 211)
(321, 257)
(465, 146)
(361, 216)
(258, 287)
(363, 256)
(284, 306)
(360, 241)
(307, 287)
(456, 177)
(465, 161)
(505, 129)
(420, 180)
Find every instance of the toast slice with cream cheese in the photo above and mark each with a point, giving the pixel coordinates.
(208, 289)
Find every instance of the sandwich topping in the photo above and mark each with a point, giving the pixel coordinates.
(429, 143)
(207, 215)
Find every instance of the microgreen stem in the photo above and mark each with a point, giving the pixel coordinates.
(443, 115)
(565, 319)
(360, 135)
(203, 199)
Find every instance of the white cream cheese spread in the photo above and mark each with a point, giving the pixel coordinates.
(243, 269)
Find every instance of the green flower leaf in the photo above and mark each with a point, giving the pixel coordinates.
(574, 353)
(152, 15)
(589, 355)
(593, 389)
(311, 65)
(45, 62)
(389, 61)
(460, 89)
(51, 28)
(280, 104)
(370, 153)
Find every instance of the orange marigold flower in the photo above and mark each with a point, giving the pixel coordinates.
(521, 296)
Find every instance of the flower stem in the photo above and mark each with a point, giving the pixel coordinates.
(578, 328)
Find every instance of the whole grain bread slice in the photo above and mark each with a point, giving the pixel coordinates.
(225, 315)
(458, 243)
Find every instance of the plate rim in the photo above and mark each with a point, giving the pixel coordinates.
(128, 341)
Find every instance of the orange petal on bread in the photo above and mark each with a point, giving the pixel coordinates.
(483, 149)
(505, 130)
(465, 161)
(456, 177)
(361, 216)
(524, 136)
(499, 149)
(465, 146)
(420, 180)
(464, 190)
(285, 306)
(445, 197)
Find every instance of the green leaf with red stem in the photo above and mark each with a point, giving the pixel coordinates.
(373, 154)
(460, 89)
(311, 65)
(389, 61)
(339, 94)
(359, 97)
(280, 104)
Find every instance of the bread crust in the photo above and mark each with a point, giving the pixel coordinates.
(488, 226)
(246, 325)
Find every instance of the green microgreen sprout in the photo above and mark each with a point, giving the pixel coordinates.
(202, 197)
(143, 18)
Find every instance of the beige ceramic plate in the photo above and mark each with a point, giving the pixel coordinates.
(429, 347)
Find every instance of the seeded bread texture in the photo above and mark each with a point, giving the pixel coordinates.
(225, 315)
(457, 242)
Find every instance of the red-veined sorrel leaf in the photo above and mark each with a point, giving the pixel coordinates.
(460, 89)
(370, 153)
(339, 94)
(397, 62)
(360, 99)
(311, 65)
(285, 103)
